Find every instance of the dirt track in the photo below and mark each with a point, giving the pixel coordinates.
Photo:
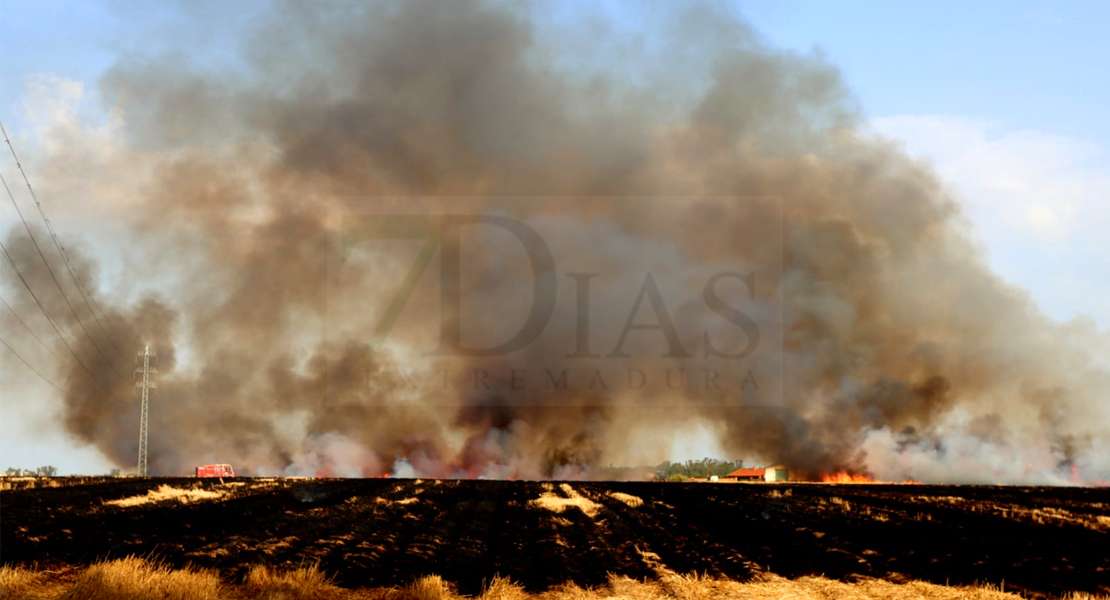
(1040, 541)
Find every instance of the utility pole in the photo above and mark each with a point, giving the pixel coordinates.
(145, 355)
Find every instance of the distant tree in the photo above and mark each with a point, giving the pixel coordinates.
(47, 471)
(114, 472)
(720, 468)
(676, 478)
(697, 468)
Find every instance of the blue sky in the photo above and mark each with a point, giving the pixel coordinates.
(1034, 65)
(1005, 98)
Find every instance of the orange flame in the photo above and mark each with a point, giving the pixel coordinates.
(843, 477)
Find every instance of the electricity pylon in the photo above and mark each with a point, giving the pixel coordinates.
(145, 355)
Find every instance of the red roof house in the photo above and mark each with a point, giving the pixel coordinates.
(747, 474)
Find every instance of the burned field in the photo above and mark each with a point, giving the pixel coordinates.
(1037, 541)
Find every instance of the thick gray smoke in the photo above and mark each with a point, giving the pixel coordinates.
(896, 352)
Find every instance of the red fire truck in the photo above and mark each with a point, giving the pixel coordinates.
(215, 471)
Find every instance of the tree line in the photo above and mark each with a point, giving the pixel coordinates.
(696, 469)
(44, 471)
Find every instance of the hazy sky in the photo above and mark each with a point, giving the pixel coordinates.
(1005, 98)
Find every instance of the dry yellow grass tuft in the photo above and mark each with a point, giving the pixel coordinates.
(24, 583)
(137, 579)
(629, 499)
(819, 588)
(556, 503)
(432, 587)
(300, 584)
(165, 492)
(502, 588)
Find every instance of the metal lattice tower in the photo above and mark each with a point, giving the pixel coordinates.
(147, 383)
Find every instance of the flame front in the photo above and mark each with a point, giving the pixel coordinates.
(844, 477)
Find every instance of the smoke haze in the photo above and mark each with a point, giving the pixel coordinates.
(887, 345)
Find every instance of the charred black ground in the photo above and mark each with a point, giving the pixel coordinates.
(1038, 541)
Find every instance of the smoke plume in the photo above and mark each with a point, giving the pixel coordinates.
(894, 350)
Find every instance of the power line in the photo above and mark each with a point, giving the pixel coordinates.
(52, 323)
(92, 304)
(36, 371)
(55, 278)
(29, 330)
(54, 236)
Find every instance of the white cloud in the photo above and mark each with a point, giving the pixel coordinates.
(1038, 201)
(52, 99)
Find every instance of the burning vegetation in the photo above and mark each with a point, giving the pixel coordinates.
(846, 478)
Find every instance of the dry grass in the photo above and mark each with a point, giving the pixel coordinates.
(693, 587)
(138, 579)
(165, 492)
(300, 584)
(134, 578)
(432, 587)
(556, 503)
(22, 583)
(819, 588)
(629, 499)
